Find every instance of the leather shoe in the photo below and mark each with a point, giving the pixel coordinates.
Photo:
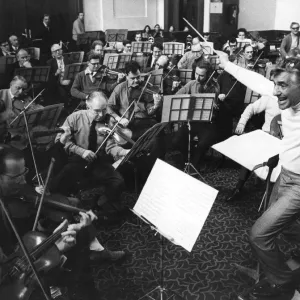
(234, 196)
(107, 256)
(266, 289)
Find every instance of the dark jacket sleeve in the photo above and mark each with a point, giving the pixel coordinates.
(285, 45)
(76, 86)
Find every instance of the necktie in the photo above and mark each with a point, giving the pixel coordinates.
(93, 137)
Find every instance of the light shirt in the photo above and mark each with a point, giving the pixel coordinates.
(91, 74)
(61, 65)
(290, 144)
(268, 104)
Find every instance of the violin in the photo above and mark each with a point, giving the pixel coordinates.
(121, 135)
(18, 281)
(56, 207)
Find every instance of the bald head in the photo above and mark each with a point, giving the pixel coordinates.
(162, 62)
(13, 39)
(97, 103)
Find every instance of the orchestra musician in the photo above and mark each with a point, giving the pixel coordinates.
(283, 212)
(156, 49)
(206, 132)
(245, 58)
(81, 151)
(88, 81)
(13, 186)
(141, 117)
(187, 60)
(58, 85)
(5, 49)
(14, 44)
(268, 105)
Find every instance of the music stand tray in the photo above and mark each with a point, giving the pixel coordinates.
(71, 71)
(187, 108)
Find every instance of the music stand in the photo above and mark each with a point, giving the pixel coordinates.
(250, 96)
(115, 61)
(185, 75)
(71, 71)
(116, 35)
(187, 108)
(75, 57)
(171, 48)
(141, 47)
(141, 60)
(34, 75)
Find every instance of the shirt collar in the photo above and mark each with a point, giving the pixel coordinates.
(296, 107)
(88, 72)
(10, 93)
(45, 25)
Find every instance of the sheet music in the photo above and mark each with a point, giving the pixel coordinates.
(250, 149)
(176, 203)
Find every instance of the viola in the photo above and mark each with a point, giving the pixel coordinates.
(18, 281)
(56, 207)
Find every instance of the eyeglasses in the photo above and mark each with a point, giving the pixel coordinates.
(295, 28)
(249, 52)
(19, 175)
(95, 64)
(4, 45)
(56, 51)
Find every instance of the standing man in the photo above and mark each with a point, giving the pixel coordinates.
(284, 208)
(290, 41)
(45, 33)
(78, 27)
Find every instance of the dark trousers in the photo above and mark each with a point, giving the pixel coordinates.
(101, 172)
(280, 217)
(207, 136)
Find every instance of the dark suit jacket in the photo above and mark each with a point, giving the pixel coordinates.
(47, 38)
(12, 67)
(52, 63)
(286, 45)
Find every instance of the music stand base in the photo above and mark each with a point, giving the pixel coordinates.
(192, 171)
(159, 293)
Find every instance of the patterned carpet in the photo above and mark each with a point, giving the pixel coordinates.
(208, 272)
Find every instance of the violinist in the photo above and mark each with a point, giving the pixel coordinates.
(171, 82)
(12, 175)
(231, 47)
(87, 137)
(187, 60)
(142, 116)
(245, 59)
(206, 132)
(91, 80)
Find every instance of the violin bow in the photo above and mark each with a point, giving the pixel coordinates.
(43, 194)
(168, 73)
(25, 251)
(112, 131)
(209, 79)
(197, 32)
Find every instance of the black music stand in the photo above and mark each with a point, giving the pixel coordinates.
(156, 78)
(172, 48)
(75, 57)
(71, 71)
(141, 47)
(116, 35)
(187, 108)
(115, 61)
(34, 75)
(142, 147)
(185, 75)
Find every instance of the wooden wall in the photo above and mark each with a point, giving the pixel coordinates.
(16, 15)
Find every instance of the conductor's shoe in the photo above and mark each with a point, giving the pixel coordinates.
(267, 290)
(107, 256)
(235, 195)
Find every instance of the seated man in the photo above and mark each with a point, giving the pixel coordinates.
(13, 185)
(81, 152)
(207, 132)
(245, 59)
(23, 61)
(141, 116)
(156, 49)
(127, 46)
(171, 82)
(187, 60)
(267, 104)
(87, 81)
(14, 44)
(57, 84)
(138, 37)
(5, 50)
